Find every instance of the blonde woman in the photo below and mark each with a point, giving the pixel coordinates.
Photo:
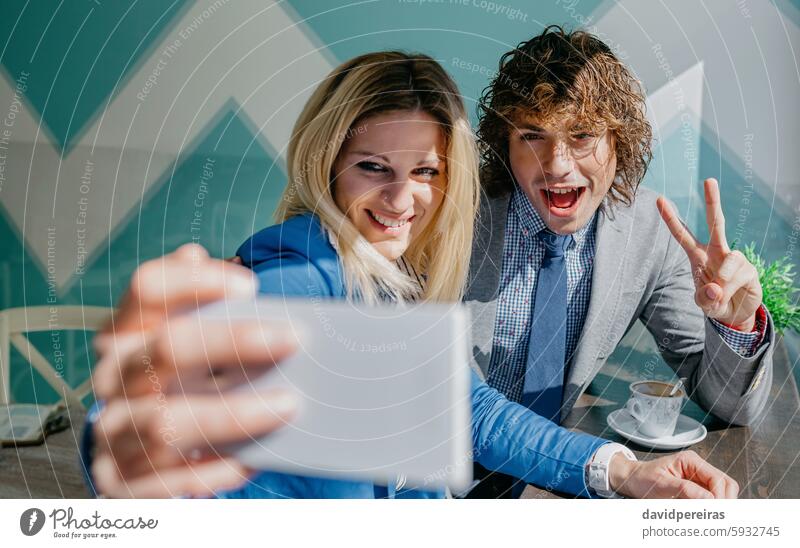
(380, 207)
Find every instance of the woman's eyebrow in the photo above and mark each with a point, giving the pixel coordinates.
(431, 160)
(438, 159)
(371, 154)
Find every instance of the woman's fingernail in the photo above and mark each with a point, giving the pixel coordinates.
(710, 293)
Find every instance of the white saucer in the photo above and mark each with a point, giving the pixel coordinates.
(687, 432)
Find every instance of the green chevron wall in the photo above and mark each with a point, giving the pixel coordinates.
(130, 128)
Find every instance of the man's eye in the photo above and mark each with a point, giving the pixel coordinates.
(582, 136)
(371, 167)
(530, 137)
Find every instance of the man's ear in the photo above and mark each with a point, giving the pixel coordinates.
(612, 150)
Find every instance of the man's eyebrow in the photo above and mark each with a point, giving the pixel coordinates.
(530, 126)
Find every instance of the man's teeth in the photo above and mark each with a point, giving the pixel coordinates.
(562, 190)
(390, 223)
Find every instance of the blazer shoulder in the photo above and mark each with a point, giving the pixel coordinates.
(648, 219)
(637, 233)
(645, 200)
(642, 218)
(643, 209)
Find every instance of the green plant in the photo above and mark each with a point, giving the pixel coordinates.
(777, 281)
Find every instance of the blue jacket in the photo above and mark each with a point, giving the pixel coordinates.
(296, 258)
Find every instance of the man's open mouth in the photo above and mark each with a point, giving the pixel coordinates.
(562, 200)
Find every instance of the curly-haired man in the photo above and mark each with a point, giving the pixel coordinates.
(570, 251)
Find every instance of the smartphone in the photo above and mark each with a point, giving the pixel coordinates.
(384, 391)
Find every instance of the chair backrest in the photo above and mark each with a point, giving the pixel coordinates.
(15, 322)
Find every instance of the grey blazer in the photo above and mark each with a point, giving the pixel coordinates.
(640, 272)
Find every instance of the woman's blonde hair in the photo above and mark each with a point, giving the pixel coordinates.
(358, 89)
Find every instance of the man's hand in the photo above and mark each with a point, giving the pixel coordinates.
(726, 284)
(682, 475)
(163, 372)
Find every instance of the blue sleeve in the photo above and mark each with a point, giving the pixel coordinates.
(510, 438)
(291, 275)
(87, 446)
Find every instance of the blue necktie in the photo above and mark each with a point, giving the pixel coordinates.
(543, 388)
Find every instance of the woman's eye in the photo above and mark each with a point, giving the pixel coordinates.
(427, 172)
(530, 137)
(371, 167)
(582, 136)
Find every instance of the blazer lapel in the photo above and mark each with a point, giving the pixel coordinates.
(486, 263)
(601, 329)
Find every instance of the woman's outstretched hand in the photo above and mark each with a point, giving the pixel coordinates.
(162, 375)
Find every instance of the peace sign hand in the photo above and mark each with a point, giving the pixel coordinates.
(726, 284)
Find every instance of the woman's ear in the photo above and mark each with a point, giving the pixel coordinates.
(332, 181)
(336, 167)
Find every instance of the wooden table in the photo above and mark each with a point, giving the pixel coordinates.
(50, 470)
(764, 458)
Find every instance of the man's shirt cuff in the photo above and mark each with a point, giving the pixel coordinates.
(743, 343)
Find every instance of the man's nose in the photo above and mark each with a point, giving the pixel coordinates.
(558, 163)
(399, 196)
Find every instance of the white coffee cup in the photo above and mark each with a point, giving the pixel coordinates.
(655, 411)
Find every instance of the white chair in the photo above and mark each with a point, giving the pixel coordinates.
(15, 322)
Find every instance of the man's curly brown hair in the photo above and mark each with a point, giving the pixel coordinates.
(558, 74)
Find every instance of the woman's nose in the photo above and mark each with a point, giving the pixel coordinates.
(399, 196)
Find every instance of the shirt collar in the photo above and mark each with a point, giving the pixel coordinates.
(531, 223)
(529, 220)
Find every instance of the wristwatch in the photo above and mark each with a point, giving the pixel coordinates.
(598, 469)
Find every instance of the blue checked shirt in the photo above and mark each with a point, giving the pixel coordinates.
(522, 256)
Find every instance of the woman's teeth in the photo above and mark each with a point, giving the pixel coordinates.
(389, 223)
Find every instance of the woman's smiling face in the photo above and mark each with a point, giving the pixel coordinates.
(390, 178)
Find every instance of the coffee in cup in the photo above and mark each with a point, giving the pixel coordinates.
(654, 408)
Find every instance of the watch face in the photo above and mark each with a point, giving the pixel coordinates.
(598, 478)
